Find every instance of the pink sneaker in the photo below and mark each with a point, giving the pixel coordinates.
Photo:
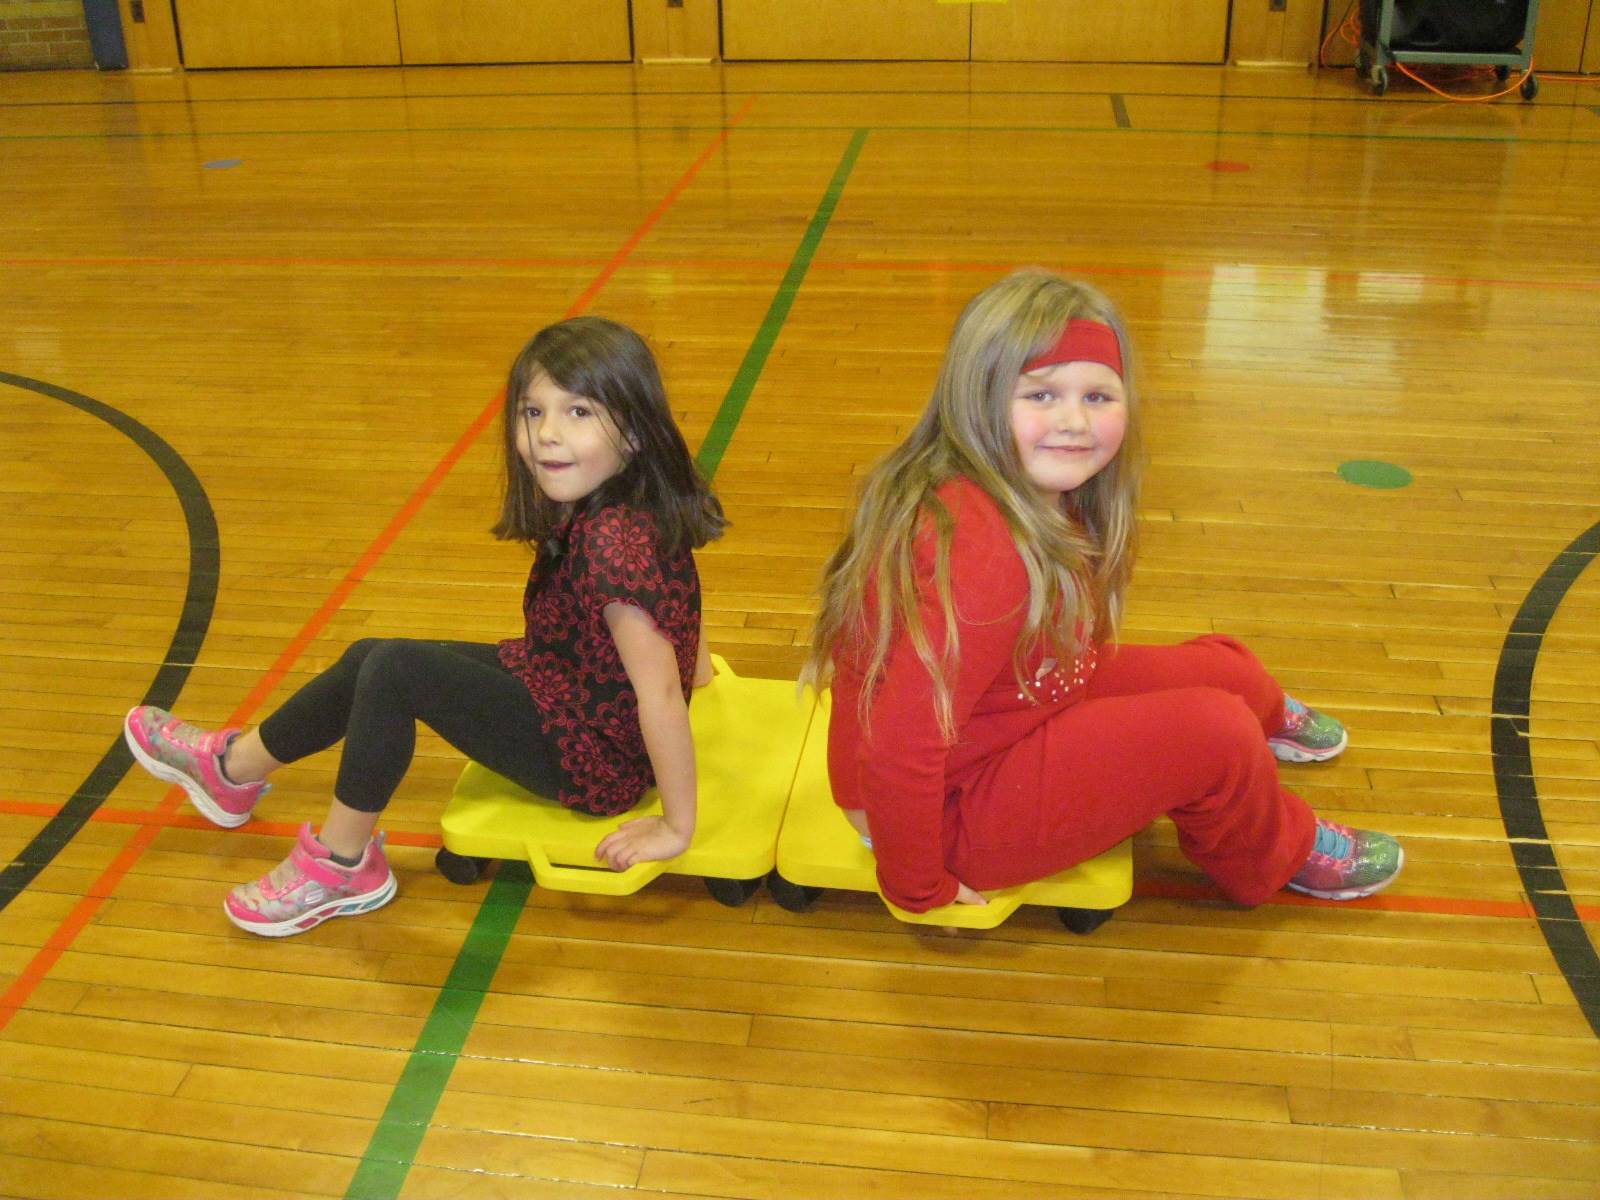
(191, 757)
(1307, 735)
(308, 887)
(1346, 863)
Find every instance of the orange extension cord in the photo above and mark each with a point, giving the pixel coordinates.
(1348, 30)
(1415, 78)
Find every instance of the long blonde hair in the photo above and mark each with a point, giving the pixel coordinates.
(1078, 556)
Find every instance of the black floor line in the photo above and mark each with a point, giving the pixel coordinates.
(199, 600)
(1518, 789)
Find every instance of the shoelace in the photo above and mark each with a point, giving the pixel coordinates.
(1331, 843)
(1296, 716)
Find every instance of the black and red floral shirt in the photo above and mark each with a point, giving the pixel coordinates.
(570, 664)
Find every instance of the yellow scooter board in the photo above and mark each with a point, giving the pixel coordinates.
(747, 738)
(818, 849)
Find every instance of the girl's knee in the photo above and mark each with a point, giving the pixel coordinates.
(358, 651)
(385, 657)
(355, 665)
(1199, 735)
(1234, 668)
(391, 667)
(1220, 719)
(1233, 658)
(1235, 763)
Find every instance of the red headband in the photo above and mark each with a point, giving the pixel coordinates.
(1081, 341)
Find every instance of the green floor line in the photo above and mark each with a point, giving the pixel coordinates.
(755, 358)
(409, 1113)
(416, 1094)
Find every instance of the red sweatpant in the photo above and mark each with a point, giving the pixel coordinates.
(1179, 731)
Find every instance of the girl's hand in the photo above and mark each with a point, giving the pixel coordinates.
(965, 895)
(646, 839)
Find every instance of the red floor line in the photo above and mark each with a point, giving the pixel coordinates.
(656, 214)
(28, 980)
(1453, 906)
(1155, 888)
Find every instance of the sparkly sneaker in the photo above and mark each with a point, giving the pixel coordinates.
(191, 757)
(1307, 735)
(308, 887)
(1346, 864)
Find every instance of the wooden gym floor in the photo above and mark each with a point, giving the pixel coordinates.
(284, 302)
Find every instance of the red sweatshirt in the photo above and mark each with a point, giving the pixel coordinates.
(899, 768)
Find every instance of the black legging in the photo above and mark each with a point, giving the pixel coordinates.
(381, 687)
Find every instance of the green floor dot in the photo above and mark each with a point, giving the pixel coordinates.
(1370, 473)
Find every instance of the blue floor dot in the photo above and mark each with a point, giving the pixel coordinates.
(216, 163)
(1367, 472)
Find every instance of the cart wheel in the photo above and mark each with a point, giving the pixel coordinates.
(1502, 73)
(1530, 87)
(459, 868)
(1380, 80)
(1084, 920)
(795, 897)
(732, 892)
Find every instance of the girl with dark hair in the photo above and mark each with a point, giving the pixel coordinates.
(589, 706)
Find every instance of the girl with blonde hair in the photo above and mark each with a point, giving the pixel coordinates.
(987, 729)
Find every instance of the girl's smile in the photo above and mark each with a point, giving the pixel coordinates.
(1068, 421)
(570, 443)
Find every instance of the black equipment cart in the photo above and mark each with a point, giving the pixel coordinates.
(1495, 33)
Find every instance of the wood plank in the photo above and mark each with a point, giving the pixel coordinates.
(1212, 1175)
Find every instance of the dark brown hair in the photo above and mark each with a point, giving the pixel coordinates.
(610, 364)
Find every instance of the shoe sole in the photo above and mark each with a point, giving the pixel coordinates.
(1287, 751)
(1354, 893)
(348, 906)
(207, 807)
